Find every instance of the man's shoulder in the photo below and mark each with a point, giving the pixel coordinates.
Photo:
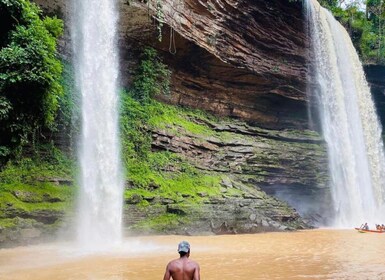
(193, 262)
(172, 262)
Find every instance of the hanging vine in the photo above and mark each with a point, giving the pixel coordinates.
(160, 18)
(159, 15)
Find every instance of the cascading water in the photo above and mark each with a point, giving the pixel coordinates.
(96, 68)
(349, 122)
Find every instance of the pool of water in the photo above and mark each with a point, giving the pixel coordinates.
(313, 254)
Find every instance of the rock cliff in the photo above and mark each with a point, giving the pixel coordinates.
(236, 58)
(244, 60)
(375, 76)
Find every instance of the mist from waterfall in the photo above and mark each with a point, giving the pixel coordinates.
(349, 122)
(94, 37)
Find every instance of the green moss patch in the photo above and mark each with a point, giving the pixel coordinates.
(150, 179)
(159, 223)
(24, 200)
(176, 119)
(28, 190)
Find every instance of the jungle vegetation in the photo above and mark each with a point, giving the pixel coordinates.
(365, 22)
(30, 73)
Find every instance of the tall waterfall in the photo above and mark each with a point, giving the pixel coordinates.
(349, 123)
(94, 24)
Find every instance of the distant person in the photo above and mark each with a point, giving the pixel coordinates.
(365, 226)
(182, 268)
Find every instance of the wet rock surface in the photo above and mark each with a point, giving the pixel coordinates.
(268, 156)
(250, 211)
(375, 77)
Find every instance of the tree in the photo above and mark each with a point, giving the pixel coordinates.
(375, 13)
(30, 71)
(364, 20)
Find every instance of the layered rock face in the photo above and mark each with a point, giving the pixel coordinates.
(250, 211)
(237, 58)
(269, 157)
(285, 164)
(243, 59)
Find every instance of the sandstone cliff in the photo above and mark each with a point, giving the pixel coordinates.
(237, 58)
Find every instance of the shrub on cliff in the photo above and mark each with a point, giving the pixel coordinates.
(151, 77)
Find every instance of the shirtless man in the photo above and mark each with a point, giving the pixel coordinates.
(182, 268)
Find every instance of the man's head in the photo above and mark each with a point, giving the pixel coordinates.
(184, 248)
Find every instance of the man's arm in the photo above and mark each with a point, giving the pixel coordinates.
(197, 273)
(167, 274)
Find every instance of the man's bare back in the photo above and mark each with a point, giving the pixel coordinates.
(182, 268)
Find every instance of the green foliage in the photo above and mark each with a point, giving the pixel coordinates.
(54, 26)
(136, 140)
(160, 18)
(138, 119)
(329, 3)
(137, 106)
(366, 27)
(4, 152)
(5, 108)
(151, 78)
(159, 15)
(29, 71)
(170, 174)
(69, 103)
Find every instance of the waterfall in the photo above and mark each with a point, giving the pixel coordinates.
(94, 38)
(349, 122)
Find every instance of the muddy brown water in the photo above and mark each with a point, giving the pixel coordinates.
(313, 254)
